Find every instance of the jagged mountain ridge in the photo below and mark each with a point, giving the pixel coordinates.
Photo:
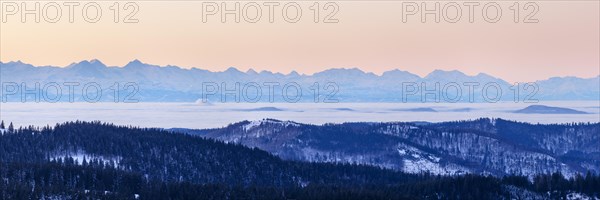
(486, 146)
(354, 85)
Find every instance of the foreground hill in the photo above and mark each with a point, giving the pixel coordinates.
(485, 146)
(94, 160)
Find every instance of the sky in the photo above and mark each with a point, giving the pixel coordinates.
(370, 35)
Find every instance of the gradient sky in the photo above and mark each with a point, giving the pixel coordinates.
(369, 35)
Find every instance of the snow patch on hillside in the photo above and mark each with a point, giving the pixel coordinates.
(417, 166)
(251, 125)
(258, 123)
(580, 196)
(417, 161)
(80, 156)
(398, 129)
(315, 155)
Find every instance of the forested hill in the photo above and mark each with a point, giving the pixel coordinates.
(166, 156)
(484, 146)
(98, 160)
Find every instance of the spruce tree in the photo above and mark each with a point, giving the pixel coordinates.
(10, 127)
(2, 124)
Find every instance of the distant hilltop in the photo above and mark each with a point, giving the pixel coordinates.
(138, 81)
(541, 109)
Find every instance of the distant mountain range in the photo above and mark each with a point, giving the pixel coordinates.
(175, 84)
(484, 146)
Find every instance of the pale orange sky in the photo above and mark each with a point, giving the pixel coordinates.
(370, 35)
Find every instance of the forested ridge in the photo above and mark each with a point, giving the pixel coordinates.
(81, 160)
(482, 146)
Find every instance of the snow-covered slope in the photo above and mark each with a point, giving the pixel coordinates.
(484, 146)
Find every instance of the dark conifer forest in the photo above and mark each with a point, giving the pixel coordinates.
(94, 160)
